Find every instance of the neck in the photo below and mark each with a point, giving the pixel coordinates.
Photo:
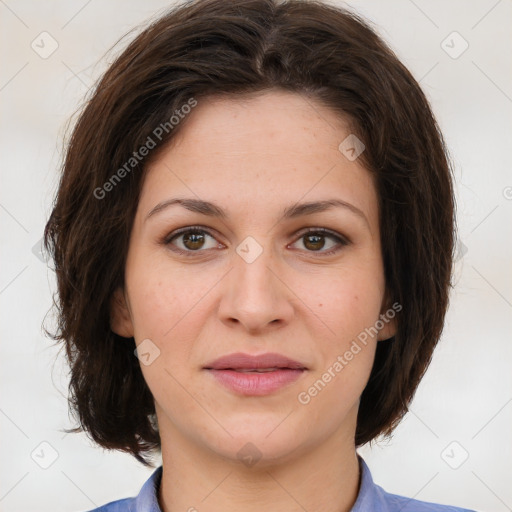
(323, 478)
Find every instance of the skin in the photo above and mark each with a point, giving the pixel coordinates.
(253, 158)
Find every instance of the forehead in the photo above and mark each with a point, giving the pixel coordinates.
(271, 123)
(262, 151)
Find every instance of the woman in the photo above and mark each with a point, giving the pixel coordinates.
(253, 240)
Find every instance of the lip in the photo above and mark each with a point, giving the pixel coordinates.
(242, 361)
(233, 372)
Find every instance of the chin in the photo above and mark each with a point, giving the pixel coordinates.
(257, 442)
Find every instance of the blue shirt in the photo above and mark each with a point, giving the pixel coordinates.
(371, 498)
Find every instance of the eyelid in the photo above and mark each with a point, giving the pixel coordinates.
(341, 239)
(323, 231)
(166, 239)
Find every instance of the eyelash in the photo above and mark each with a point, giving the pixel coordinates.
(342, 241)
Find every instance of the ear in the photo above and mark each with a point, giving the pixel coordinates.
(387, 316)
(120, 317)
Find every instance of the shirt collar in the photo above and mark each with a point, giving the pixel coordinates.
(370, 496)
(147, 499)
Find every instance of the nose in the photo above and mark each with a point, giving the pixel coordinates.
(254, 295)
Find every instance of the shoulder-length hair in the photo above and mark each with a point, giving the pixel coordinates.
(204, 48)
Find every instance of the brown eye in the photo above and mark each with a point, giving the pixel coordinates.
(192, 240)
(315, 241)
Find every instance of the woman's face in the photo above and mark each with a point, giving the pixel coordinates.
(254, 281)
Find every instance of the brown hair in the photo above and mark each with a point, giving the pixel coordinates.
(212, 47)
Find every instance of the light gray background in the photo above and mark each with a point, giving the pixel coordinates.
(466, 395)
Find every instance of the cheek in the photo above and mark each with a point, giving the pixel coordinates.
(346, 300)
(168, 307)
(164, 300)
(348, 304)
(349, 307)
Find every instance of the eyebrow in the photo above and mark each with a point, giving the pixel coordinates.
(296, 210)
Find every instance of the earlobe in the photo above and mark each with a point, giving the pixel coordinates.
(389, 329)
(387, 322)
(120, 317)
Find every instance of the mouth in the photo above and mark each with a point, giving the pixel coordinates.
(254, 370)
(256, 382)
(260, 375)
(267, 362)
